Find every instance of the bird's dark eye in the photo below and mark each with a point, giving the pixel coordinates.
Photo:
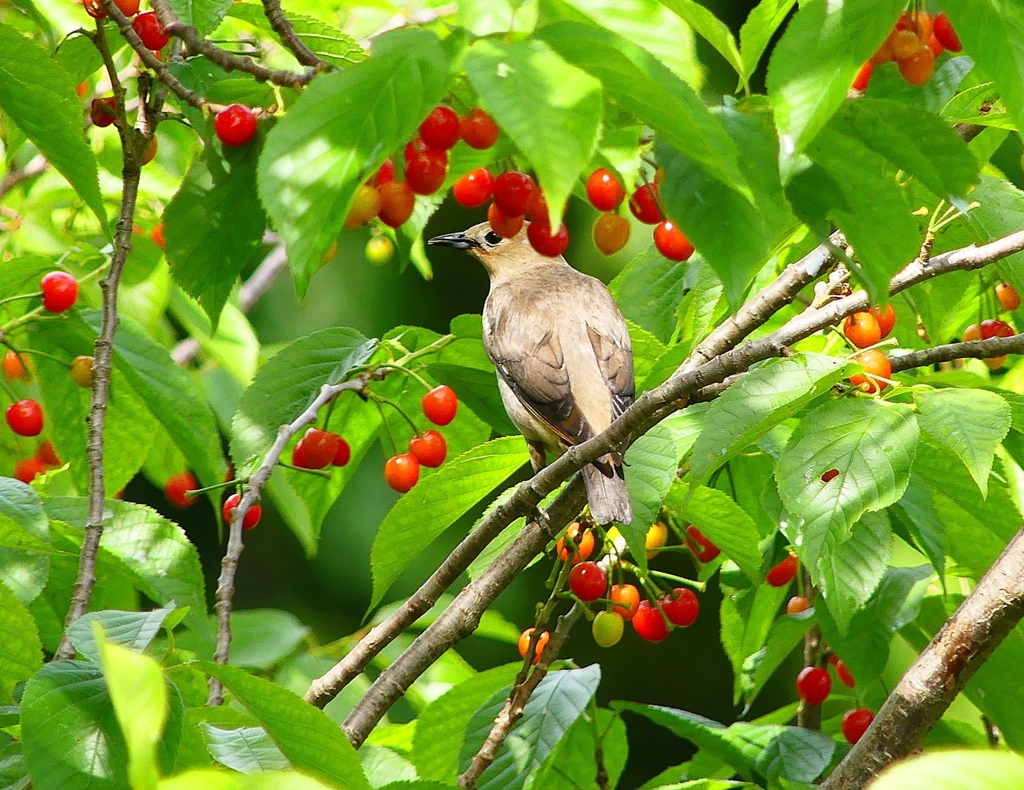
(492, 238)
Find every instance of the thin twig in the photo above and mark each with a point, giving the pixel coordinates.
(279, 22)
(12, 178)
(250, 493)
(103, 353)
(460, 619)
(197, 45)
(926, 690)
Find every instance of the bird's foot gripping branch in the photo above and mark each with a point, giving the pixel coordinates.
(799, 396)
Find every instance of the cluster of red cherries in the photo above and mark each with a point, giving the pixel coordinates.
(59, 291)
(914, 44)
(863, 330)
(814, 684)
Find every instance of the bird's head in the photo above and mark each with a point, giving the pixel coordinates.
(501, 257)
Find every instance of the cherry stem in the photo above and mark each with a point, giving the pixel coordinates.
(20, 351)
(20, 296)
(396, 407)
(402, 369)
(192, 493)
(387, 427)
(318, 472)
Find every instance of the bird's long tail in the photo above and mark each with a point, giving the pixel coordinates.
(607, 494)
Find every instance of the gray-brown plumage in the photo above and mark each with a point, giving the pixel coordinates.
(562, 353)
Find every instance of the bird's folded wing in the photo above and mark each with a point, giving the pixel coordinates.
(614, 355)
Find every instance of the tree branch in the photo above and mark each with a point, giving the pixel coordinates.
(279, 22)
(12, 178)
(131, 173)
(250, 493)
(198, 45)
(460, 619)
(975, 349)
(927, 689)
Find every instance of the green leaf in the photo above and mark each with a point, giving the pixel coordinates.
(724, 522)
(651, 463)
(550, 109)
(814, 63)
(785, 634)
(993, 33)
(980, 769)
(918, 142)
(866, 203)
(246, 749)
(214, 227)
(222, 780)
(234, 345)
(436, 502)
(22, 653)
(132, 630)
(646, 23)
(1001, 212)
(711, 29)
(463, 365)
(558, 701)
(79, 57)
(171, 395)
(757, 31)
(850, 573)
(384, 766)
(203, 15)
(39, 96)
(645, 87)
(23, 523)
(340, 130)
(916, 510)
(163, 563)
(969, 422)
(138, 693)
(647, 291)
(286, 385)
(72, 740)
(768, 395)
(871, 444)
(754, 750)
(262, 638)
(311, 742)
(572, 764)
(327, 42)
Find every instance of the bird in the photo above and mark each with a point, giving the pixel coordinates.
(561, 350)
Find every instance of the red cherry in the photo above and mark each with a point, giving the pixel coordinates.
(537, 207)
(235, 125)
(47, 453)
(440, 130)
(95, 9)
(648, 622)
(512, 192)
(584, 544)
(681, 607)
(252, 515)
(856, 723)
(158, 235)
(993, 327)
(935, 46)
(425, 171)
(604, 190)
(946, 35)
(611, 232)
(365, 206)
(60, 291)
(541, 239)
(708, 550)
(103, 111)
(877, 364)
(813, 685)
(588, 581)
(13, 367)
(860, 82)
(644, 204)
(479, 130)
(503, 225)
(886, 321)
(385, 175)
(524, 644)
(672, 242)
(430, 449)
(25, 417)
(402, 472)
(919, 67)
(149, 29)
(397, 202)
(315, 450)
(27, 470)
(440, 404)
(475, 188)
(343, 455)
(797, 604)
(783, 573)
(844, 675)
(177, 485)
(627, 600)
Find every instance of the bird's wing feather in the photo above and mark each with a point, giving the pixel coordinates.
(609, 337)
(529, 357)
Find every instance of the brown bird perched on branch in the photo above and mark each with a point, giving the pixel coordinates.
(562, 353)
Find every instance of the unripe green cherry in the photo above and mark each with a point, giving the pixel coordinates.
(607, 628)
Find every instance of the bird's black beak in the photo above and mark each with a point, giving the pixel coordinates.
(458, 241)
